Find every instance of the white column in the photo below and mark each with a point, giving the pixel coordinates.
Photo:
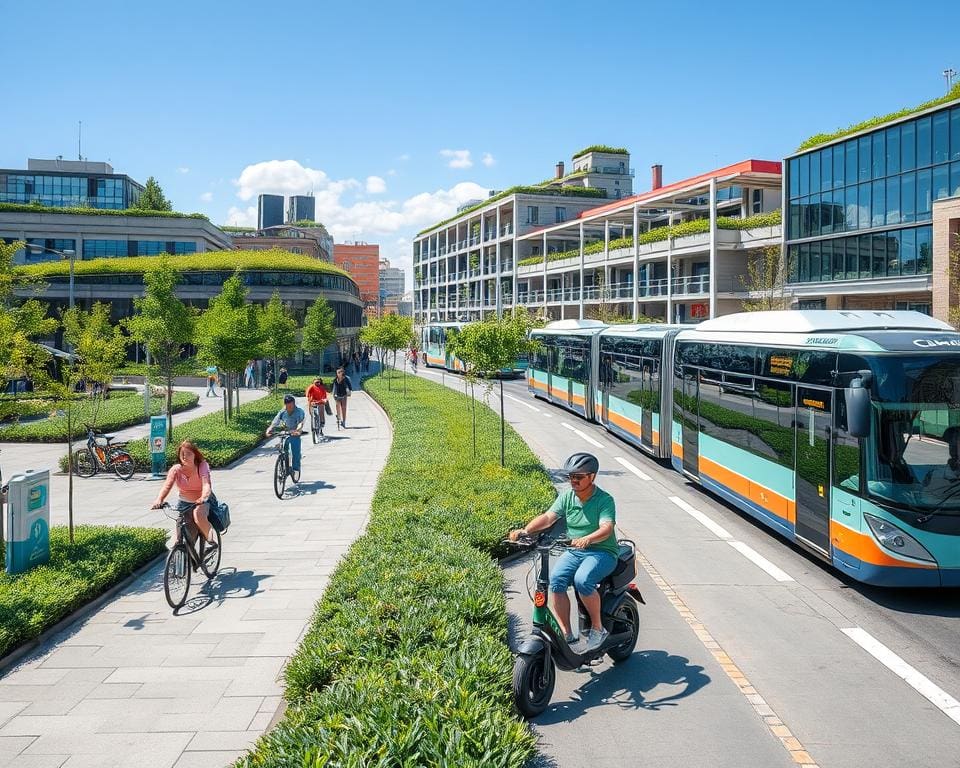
(713, 248)
(546, 312)
(670, 317)
(606, 260)
(497, 247)
(581, 270)
(513, 250)
(636, 263)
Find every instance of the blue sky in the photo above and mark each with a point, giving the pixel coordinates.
(358, 101)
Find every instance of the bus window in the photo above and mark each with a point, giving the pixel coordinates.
(846, 453)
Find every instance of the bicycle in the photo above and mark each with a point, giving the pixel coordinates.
(186, 556)
(316, 422)
(281, 469)
(101, 453)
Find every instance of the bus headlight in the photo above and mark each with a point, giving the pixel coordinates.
(896, 539)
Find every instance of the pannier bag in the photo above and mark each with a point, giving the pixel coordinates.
(221, 518)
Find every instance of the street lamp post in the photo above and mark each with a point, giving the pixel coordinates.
(66, 253)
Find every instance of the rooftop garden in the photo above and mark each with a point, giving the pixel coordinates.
(874, 122)
(37, 208)
(237, 230)
(273, 260)
(602, 148)
(695, 227)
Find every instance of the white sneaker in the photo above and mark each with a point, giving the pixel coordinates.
(595, 638)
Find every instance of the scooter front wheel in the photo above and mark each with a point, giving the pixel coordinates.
(534, 679)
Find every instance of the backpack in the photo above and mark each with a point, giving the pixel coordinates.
(221, 518)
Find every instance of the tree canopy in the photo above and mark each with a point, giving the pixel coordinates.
(319, 327)
(152, 198)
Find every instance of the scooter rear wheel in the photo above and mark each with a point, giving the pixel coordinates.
(625, 619)
(533, 682)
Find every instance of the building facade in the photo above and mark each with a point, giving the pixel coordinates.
(393, 282)
(269, 211)
(362, 261)
(69, 184)
(871, 215)
(300, 208)
(312, 241)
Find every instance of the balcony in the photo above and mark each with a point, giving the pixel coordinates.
(692, 285)
(506, 230)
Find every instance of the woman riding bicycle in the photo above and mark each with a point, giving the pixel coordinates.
(317, 396)
(192, 478)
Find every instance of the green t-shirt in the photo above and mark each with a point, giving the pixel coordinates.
(584, 518)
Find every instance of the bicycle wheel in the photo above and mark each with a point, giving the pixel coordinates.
(315, 429)
(122, 463)
(210, 558)
(280, 475)
(84, 463)
(176, 576)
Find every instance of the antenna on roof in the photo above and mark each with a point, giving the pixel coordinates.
(79, 134)
(948, 74)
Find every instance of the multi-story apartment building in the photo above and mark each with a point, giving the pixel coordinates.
(871, 215)
(362, 261)
(676, 252)
(63, 183)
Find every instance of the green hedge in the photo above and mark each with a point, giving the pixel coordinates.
(121, 409)
(602, 148)
(77, 573)
(406, 661)
(274, 259)
(36, 208)
(874, 122)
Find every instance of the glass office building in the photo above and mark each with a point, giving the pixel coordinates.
(79, 184)
(861, 208)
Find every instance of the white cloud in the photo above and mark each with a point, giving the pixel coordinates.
(403, 158)
(242, 217)
(392, 172)
(376, 185)
(459, 158)
(488, 159)
(183, 169)
(206, 197)
(282, 177)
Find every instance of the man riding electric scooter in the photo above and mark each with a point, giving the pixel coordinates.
(601, 569)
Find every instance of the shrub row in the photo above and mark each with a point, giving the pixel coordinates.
(121, 409)
(406, 662)
(38, 208)
(76, 573)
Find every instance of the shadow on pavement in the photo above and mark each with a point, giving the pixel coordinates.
(624, 686)
(308, 489)
(228, 584)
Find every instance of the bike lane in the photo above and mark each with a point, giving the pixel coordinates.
(133, 684)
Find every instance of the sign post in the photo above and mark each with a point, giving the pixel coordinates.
(28, 520)
(158, 446)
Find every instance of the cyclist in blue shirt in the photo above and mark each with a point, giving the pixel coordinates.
(292, 417)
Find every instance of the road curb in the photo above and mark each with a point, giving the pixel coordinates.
(83, 611)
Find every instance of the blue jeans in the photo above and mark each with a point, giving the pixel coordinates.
(584, 567)
(293, 447)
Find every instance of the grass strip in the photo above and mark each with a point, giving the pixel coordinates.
(100, 556)
(406, 659)
(121, 409)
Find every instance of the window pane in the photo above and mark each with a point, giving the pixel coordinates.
(794, 169)
(879, 203)
(804, 217)
(838, 259)
(863, 197)
(815, 172)
(793, 260)
(826, 213)
(815, 262)
(908, 146)
(794, 230)
(955, 133)
(893, 150)
(893, 253)
(865, 254)
(941, 137)
(879, 154)
(838, 164)
(879, 256)
(838, 211)
(923, 141)
(908, 197)
(850, 171)
(826, 169)
(924, 259)
(826, 260)
(851, 218)
(804, 175)
(850, 244)
(893, 200)
(864, 151)
(955, 178)
(924, 187)
(941, 181)
(805, 263)
(814, 214)
(908, 252)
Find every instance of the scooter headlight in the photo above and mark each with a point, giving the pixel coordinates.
(897, 540)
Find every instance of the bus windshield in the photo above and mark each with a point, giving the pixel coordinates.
(913, 459)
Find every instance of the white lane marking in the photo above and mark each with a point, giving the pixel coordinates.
(701, 518)
(518, 400)
(583, 435)
(759, 560)
(630, 467)
(921, 684)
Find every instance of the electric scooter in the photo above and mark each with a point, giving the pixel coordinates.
(535, 668)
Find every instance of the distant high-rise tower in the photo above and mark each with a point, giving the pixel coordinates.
(269, 211)
(300, 208)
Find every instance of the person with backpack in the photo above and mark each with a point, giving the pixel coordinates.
(342, 388)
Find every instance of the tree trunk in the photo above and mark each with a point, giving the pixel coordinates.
(70, 466)
(503, 429)
(169, 406)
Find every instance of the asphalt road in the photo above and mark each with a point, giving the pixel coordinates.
(751, 652)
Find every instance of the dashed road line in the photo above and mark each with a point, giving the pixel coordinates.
(525, 405)
(701, 518)
(760, 561)
(921, 684)
(784, 735)
(633, 468)
(581, 434)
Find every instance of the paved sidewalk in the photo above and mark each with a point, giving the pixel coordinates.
(134, 685)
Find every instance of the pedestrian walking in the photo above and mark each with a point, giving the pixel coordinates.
(268, 376)
(212, 377)
(248, 375)
(365, 360)
(282, 378)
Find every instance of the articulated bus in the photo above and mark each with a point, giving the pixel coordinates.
(839, 430)
(435, 353)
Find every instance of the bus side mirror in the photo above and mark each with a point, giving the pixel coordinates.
(857, 399)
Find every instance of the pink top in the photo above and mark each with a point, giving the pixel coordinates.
(191, 487)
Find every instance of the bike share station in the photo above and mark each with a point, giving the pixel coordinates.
(28, 521)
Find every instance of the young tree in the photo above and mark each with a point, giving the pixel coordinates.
(320, 329)
(279, 331)
(152, 198)
(165, 324)
(765, 280)
(230, 332)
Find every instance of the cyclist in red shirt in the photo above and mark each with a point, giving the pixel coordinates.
(317, 396)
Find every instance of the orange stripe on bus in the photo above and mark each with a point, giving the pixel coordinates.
(760, 495)
(677, 449)
(864, 548)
